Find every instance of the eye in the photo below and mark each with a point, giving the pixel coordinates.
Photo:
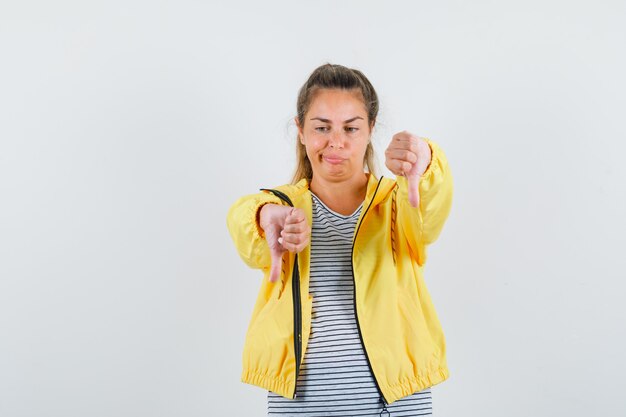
(321, 127)
(354, 129)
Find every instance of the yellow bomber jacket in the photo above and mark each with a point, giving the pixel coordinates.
(400, 331)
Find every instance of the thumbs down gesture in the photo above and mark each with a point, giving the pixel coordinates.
(408, 155)
(286, 229)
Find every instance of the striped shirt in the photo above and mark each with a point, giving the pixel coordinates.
(335, 378)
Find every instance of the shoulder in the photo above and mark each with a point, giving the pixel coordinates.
(385, 190)
(292, 190)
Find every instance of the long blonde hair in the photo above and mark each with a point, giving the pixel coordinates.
(333, 76)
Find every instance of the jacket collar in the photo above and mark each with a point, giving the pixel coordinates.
(377, 188)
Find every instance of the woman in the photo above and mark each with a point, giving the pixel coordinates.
(343, 323)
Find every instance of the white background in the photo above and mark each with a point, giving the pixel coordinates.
(127, 128)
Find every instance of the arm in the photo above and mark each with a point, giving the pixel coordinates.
(422, 224)
(245, 230)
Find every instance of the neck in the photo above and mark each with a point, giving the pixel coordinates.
(353, 189)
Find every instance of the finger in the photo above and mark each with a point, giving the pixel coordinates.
(296, 242)
(392, 166)
(289, 240)
(403, 136)
(290, 246)
(402, 166)
(403, 155)
(296, 248)
(396, 166)
(299, 227)
(403, 143)
(413, 184)
(295, 216)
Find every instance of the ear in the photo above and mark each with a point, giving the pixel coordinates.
(300, 134)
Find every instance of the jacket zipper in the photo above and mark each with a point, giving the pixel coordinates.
(355, 310)
(297, 302)
(297, 320)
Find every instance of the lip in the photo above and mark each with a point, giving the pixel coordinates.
(333, 159)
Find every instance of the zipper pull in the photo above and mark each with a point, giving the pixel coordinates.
(384, 410)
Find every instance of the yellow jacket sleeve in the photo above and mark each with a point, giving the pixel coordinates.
(244, 229)
(422, 225)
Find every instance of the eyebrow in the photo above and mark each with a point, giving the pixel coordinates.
(328, 121)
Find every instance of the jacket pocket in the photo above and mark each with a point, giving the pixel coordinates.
(415, 324)
(258, 321)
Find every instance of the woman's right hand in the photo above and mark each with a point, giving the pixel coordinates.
(286, 229)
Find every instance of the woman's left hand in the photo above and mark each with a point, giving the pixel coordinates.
(408, 155)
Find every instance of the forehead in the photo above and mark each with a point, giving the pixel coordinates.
(330, 104)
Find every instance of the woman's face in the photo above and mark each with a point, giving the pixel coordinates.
(336, 134)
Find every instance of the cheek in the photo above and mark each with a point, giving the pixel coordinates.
(360, 147)
(314, 146)
(312, 153)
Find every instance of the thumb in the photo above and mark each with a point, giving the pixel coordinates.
(414, 194)
(277, 260)
(276, 252)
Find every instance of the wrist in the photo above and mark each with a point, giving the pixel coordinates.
(265, 214)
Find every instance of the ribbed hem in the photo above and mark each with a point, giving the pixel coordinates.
(275, 385)
(395, 392)
(392, 392)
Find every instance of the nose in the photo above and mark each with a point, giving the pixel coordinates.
(336, 140)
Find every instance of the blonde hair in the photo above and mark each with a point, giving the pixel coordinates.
(333, 76)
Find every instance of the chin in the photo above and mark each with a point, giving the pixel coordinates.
(335, 175)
